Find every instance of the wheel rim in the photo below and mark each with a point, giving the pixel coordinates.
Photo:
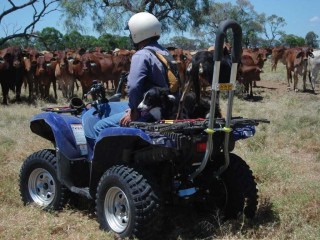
(117, 209)
(218, 194)
(222, 199)
(42, 187)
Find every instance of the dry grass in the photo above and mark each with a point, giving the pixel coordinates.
(284, 156)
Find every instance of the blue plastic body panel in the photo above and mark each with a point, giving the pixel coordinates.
(124, 131)
(60, 129)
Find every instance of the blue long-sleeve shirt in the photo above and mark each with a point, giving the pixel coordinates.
(146, 71)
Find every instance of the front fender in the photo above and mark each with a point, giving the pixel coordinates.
(64, 131)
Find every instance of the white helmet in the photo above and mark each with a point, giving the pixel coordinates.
(144, 25)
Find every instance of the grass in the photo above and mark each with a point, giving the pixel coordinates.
(284, 156)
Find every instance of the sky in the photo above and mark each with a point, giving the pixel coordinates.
(301, 16)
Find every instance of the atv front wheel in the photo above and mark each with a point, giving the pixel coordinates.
(126, 203)
(39, 183)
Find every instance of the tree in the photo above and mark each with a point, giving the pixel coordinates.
(291, 40)
(50, 39)
(88, 42)
(72, 40)
(112, 15)
(311, 40)
(39, 10)
(243, 12)
(271, 27)
(186, 43)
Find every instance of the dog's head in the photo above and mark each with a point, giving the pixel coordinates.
(157, 102)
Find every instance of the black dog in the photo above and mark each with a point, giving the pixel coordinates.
(157, 104)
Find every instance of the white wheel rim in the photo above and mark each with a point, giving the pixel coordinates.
(42, 187)
(117, 209)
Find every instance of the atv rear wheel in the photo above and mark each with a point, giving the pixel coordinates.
(39, 183)
(127, 204)
(235, 192)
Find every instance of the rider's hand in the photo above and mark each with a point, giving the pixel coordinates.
(131, 115)
(88, 106)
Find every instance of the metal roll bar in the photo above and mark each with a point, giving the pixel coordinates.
(217, 86)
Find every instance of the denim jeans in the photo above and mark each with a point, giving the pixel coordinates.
(112, 113)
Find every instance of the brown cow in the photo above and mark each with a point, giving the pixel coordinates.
(296, 60)
(4, 66)
(182, 58)
(102, 67)
(264, 53)
(45, 74)
(64, 73)
(277, 54)
(30, 62)
(121, 63)
(12, 73)
(252, 62)
(84, 71)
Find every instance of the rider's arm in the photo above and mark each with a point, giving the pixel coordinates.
(136, 79)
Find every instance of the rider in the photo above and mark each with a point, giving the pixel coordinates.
(146, 71)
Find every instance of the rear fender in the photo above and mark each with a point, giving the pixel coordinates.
(64, 131)
(114, 141)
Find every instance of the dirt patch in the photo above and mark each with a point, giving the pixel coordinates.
(272, 85)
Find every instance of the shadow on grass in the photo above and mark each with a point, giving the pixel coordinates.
(310, 91)
(185, 222)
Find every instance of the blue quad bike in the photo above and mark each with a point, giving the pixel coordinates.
(135, 173)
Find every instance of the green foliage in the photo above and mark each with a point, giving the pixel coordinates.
(292, 41)
(200, 18)
(186, 43)
(311, 40)
(243, 12)
(112, 16)
(72, 40)
(271, 27)
(110, 42)
(50, 39)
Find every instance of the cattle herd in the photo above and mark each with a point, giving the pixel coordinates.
(63, 70)
(66, 70)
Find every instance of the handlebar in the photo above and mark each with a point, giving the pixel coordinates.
(97, 91)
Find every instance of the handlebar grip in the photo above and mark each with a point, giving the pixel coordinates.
(221, 35)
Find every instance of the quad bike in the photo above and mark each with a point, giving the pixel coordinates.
(134, 173)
